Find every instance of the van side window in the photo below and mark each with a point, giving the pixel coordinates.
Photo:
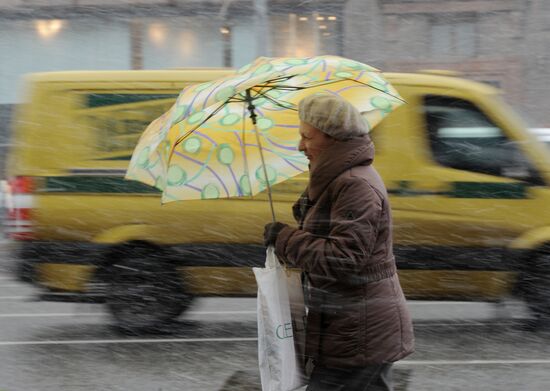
(462, 137)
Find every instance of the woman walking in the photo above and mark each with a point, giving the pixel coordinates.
(357, 323)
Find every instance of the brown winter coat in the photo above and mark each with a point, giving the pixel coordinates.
(357, 311)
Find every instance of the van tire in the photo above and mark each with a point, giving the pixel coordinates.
(535, 289)
(144, 294)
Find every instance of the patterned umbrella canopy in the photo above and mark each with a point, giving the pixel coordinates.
(238, 135)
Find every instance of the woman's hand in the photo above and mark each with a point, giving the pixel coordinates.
(271, 231)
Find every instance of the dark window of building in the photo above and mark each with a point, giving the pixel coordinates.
(453, 36)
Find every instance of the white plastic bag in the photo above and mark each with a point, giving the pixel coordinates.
(281, 325)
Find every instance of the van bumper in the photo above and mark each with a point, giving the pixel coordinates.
(72, 297)
(73, 271)
(68, 271)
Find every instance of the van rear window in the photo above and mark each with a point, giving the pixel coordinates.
(115, 121)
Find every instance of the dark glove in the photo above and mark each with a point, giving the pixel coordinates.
(271, 231)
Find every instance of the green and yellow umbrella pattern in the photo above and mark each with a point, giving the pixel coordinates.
(206, 145)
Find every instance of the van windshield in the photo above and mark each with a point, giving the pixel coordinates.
(464, 138)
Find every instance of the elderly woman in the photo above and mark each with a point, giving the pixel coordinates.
(358, 323)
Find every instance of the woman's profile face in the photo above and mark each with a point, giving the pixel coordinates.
(313, 142)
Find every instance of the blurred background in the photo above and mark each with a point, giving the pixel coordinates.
(498, 42)
(504, 43)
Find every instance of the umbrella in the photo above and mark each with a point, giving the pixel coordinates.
(238, 135)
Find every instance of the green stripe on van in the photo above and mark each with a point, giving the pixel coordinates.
(124, 157)
(118, 185)
(96, 184)
(479, 190)
(99, 100)
(492, 190)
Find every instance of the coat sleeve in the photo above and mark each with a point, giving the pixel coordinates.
(355, 214)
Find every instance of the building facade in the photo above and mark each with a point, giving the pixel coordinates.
(505, 43)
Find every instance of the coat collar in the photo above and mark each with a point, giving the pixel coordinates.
(339, 157)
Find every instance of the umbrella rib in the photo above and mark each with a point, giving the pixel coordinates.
(279, 87)
(297, 88)
(234, 99)
(269, 84)
(276, 103)
(262, 94)
(291, 88)
(279, 79)
(180, 139)
(379, 89)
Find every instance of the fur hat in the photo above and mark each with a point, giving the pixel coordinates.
(333, 116)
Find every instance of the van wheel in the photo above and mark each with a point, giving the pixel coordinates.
(142, 296)
(535, 290)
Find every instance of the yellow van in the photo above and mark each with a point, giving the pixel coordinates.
(469, 187)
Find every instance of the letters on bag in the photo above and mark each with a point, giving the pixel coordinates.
(281, 326)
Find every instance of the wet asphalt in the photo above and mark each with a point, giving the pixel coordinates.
(63, 346)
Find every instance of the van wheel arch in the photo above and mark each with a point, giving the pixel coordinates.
(145, 291)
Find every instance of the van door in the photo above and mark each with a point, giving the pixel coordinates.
(467, 196)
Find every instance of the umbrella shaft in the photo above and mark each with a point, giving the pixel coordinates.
(265, 172)
(253, 116)
(251, 108)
